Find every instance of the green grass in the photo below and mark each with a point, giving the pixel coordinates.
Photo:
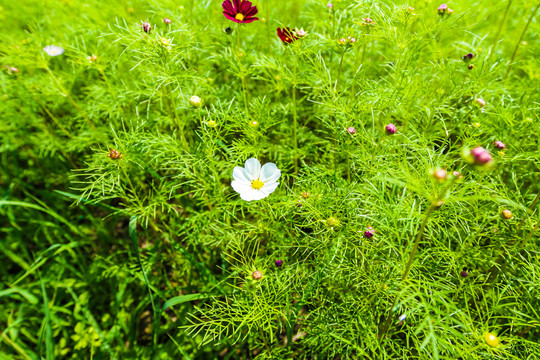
(148, 253)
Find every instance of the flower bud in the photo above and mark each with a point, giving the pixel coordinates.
(306, 195)
(470, 67)
(228, 30)
(369, 233)
(195, 101)
(300, 33)
(114, 154)
(480, 102)
(330, 6)
(391, 129)
(368, 22)
(332, 221)
(457, 175)
(481, 156)
(147, 28)
(256, 275)
(468, 57)
(279, 263)
(442, 9)
(11, 69)
(507, 214)
(351, 130)
(464, 273)
(491, 339)
(211, 123)
(499, 144)
(167, 20)
(440, 175)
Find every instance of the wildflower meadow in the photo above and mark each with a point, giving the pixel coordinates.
(270, 179)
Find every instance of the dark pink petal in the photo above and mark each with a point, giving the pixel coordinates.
(251, 11)
(250, 20)
(246, 5)
(227, 6)
(236, 6)
(230, 17)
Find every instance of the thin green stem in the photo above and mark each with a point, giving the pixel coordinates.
(375, 152)
(520, 39)
(66, 94)
(419, 235)
(135, 246)
(495, 269)
(339, 71)
(295, 115)
(267, 22)
(242, 74)
(500, 29)
(434, 204)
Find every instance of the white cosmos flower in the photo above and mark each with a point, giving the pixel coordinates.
(53, 50)
(254, 182)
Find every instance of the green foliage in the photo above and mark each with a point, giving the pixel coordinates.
(122, 238)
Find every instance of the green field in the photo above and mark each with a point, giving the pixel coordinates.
(395, 216)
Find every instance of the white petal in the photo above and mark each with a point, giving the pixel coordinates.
(270, 173)
(253, 168)
(240, 186)
(269, 188)
(241, 175)
(250, 194)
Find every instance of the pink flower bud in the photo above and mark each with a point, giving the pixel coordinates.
(481, 156)
(442, 9)
(391, 129)
(499, 144)
(167, 20)
(351, 130)
(440, 175)
(480, 102)
(147, 28)
(369, 233)
(468, 57)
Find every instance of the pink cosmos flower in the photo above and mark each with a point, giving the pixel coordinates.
(239, 11)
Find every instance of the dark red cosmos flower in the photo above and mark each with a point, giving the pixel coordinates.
(286, 35)
(239, 11)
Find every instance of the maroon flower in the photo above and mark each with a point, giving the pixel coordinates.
(239, 11)
(286, 35)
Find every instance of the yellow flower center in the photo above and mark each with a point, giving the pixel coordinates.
(257, 184)
(239, 17)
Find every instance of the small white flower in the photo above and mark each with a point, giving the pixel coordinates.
(53, 50)
(254, 182)
(402, 317)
